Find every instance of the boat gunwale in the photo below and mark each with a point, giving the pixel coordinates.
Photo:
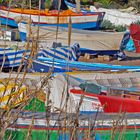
(43, 13)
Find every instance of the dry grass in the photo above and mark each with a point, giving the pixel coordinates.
(69, 123)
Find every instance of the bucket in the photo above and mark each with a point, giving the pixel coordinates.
(135, 34)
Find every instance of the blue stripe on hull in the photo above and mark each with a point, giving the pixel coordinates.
(9, 22)
(39, 67)
(59, 64)
(98, 52)
(13, 58)
(16, 64)
(85, 25)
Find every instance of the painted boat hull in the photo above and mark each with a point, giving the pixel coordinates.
(17, 97)
(80, 21)
(54, 127)
(90, 104)
(38, 66)
(56, 135)
(55, 130)
(96, 40)
(116, 105)
(112, 104)
(12, 58)
(98, 83)
(44, 64)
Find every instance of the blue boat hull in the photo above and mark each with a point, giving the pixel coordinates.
(84, 25)
(48, 64)
(10, 58)
(38, 66)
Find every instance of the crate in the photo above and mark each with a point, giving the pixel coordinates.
(104, 58)
(100, 58)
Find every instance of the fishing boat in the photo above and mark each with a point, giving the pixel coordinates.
(89, 87)
(119, 100)
(53, 124)
(50, 18)
(73, 8)
(9, 98)
(113, 93)
(96, 40)
(102, 123)
(12, 58)
(46, 122)
(113, 15)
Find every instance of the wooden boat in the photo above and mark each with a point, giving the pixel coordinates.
(58, 51)
(96, 40)
(10, 58)
(115, 102)
(113, 93)
(103, 124)
(13, 57)
(89, 86)
(8, 98)
(46, 123)
(98, 98)
(44, 64)
(50, 18)
(113, 15)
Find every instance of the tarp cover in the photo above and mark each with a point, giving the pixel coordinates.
(61, 52)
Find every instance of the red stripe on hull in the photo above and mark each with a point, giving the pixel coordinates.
(80, 128)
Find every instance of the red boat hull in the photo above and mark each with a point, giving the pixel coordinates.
(117, 104)
(113, 104)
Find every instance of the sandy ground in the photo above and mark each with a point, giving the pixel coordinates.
(132, 59)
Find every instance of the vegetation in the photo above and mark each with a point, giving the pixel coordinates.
(105, 3)
(135, 3)
(138, 22)
(114, 3)
(107, 25)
